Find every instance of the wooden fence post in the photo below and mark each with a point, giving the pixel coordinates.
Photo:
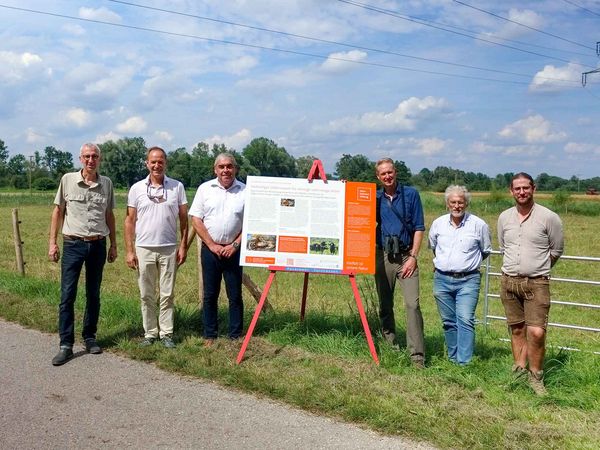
(18, 242)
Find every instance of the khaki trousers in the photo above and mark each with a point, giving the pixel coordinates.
(387, 271)
(156, 280)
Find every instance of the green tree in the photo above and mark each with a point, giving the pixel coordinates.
(179, 165)
(403, 173)
(45, 184)
(560, 199)
(304, 164)
(545, 182)
(57, 162)
(124, 160)
(3, 164)
(502, 181)
(355, 168)
(17, 165)
(201, 164)
(3, 156)
(270, 159)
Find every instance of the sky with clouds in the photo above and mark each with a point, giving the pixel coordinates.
(478, 85)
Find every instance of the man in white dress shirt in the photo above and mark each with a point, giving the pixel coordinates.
(217, 212)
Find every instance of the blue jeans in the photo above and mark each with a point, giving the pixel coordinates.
(75, 254)
(213, 270)
(456, 300)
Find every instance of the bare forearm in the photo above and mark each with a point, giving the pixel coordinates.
(416, 245)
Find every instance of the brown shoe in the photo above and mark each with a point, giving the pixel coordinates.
(208, 342)
(518, 371)
(536, 382)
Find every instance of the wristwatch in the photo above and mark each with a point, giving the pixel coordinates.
(235, 244)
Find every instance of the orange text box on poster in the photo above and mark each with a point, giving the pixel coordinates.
(359, 229)
(293, 244)
(260, 260)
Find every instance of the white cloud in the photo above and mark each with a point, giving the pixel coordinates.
(103, 14)
(490, 151)
(237, 141)
(97, 84)
(429, 146)
(532, 129)
(241, 65)
(342, 61)
(511, 30)
(551, 79)
(163, 136)
(191, 96)
(78, 117)
(33, 137)
(74, 29)
(578, 148)
(406, 117)
(290, 78)
(18, 66)
(134, 125)
(529, 150)
(110, 136)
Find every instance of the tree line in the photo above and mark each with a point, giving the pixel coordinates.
(124, 161)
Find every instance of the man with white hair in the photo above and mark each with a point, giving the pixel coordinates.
(460, 242)
(84, 204)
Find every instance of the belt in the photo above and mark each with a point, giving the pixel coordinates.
(457, 274)
(85, 238)
(545, 277)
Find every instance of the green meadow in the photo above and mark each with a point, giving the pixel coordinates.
(323, 364)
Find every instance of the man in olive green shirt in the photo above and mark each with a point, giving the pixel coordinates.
(84, 204)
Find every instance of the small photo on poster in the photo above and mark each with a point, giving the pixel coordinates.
(261, 242)
(288, 202)
(324, 246)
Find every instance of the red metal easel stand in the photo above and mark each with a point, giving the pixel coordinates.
(359, 305)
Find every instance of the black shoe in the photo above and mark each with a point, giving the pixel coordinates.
(91, 346)
(63, 355)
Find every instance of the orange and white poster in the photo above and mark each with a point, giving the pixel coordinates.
(321, 227)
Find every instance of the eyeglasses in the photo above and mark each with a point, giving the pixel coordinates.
(157, 194)
(88, 157)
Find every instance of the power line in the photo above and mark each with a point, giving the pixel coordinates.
(521, 24)
(581, 7)
(262, 47)
(410, 19)
(326, 41)
(497, 38)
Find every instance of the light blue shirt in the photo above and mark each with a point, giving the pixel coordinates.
(461, 248)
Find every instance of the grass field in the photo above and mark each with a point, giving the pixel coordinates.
(323, 364)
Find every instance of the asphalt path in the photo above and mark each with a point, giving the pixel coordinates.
(107, 401)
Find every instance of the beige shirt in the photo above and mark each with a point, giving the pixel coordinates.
(527, 246)
(85, 206)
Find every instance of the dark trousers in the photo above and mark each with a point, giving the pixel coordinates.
(76, 253)
(213, 270)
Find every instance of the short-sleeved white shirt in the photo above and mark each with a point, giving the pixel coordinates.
(221, 210)
(156, 224)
